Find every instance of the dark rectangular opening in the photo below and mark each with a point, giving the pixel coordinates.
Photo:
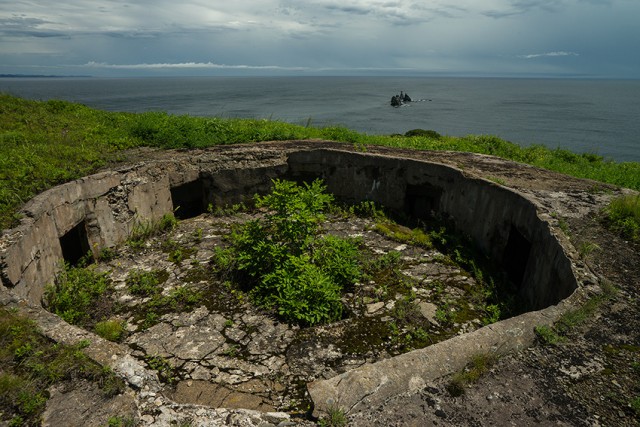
(516, 256)
(188, 199)
(422, 201)
(75, 244)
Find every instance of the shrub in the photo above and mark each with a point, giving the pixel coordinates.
(75, 292)
(288, 228)
(301, 292)
(423, 133)
(287, 267)
(339, 259)
(295, 213)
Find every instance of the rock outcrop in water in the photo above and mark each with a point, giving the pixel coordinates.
(399, 100)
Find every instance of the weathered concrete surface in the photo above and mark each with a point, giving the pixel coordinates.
(85, 406)
(373, 384)
(111, 203)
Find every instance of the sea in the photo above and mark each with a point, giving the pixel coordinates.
(585, 116)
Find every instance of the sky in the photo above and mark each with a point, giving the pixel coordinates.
(527, 38)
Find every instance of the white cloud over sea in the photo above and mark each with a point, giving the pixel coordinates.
(493, 37)
(548, 55)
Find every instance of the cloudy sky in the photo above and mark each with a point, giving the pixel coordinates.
(593, 38)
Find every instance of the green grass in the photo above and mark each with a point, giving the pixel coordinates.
(572, 319)
(112, 330)
(335, 417)
(623, 216)
(43, 144)
(30, 364)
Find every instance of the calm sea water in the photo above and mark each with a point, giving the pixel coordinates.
(597, 116)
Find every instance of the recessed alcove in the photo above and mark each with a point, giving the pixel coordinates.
(422, 201)
(516, 256)
(188, 199)
(74, 244)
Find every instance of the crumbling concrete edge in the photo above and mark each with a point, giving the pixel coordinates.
(372, 384)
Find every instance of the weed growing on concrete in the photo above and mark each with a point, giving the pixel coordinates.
(166, 372)
(562, 223)
(587, 248)
(197, 235)
(106, 255)
(119, 421)
(573, 318)
(227, 210)
(112, 330)
(335, 417)
(232, 351)
(384, 270)
(478, 366)
(366, 209)
(143, 230)
(497, 180)
(548, 335)
(635, 405)
(146, 283)
(403, 234)
(181, 299)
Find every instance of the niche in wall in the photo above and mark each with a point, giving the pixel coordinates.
(421, 200)
(188, 199)
(516, 256)
(75, 244)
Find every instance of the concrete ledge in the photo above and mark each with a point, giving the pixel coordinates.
(371, 385)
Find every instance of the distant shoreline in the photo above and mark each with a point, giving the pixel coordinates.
(35, 76)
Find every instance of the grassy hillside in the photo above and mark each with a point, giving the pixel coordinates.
(43, 144)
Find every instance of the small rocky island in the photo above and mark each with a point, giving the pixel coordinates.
(400, 100)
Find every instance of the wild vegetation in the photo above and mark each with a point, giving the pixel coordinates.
(30, 364)
(284, 263)
(77, 291)
(623, 216)
(43, 144)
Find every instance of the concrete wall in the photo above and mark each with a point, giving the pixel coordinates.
(491, 214)
(106, 206)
